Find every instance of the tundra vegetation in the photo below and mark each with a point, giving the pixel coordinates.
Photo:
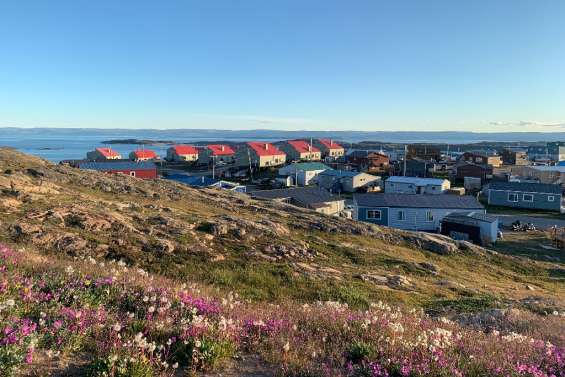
(112, 276)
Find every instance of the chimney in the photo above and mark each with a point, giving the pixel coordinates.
(222, 148)
(266, 146)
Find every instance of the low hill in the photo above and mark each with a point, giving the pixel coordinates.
(112, 275)
(262, 250)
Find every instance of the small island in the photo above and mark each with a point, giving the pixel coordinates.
(139, 142)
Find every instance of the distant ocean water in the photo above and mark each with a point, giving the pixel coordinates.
(58, 144)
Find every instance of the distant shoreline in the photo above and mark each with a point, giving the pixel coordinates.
(192, 136)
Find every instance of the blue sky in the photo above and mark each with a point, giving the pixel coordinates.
(483, 65)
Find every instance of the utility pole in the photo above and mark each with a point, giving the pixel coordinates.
(250, 167)
(405, 158)
(214, 167)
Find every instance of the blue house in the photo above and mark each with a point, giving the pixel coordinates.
(525, 195)
(411, 211)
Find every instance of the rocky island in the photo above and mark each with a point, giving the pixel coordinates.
(139, 142)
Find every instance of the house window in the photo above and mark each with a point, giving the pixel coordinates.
(132, 173)
(401, 216)
(550, 198)
(513, 198)
(374, 214)
(429, 216)
(528, 197)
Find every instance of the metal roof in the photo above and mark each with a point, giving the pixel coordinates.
(117, 165)
(302, 146)
(265, 149)
(340, 173)
(305, 195)
(526, 187)
(470, 217)
(417, 201)
(308, 166)
(108, 152)
(417, 181)
(220, 149)
(330, 144)
(182, 150)
(144, 153)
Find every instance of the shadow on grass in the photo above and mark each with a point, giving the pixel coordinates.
(531, 248)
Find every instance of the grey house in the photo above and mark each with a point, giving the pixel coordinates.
(411, 211)
(476, 227)
(525, 195)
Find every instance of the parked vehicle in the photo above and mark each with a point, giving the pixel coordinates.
(517, 226)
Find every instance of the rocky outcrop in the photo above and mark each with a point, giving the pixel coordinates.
(433, 242)
(392, 281)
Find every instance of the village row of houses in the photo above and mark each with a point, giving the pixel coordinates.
(259, 154)
(460, 217)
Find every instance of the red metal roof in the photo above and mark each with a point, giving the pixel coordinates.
(328, 143)
(302, 147)
(265, 149)
(220, 149)
(107, 152)
(145, 153)
(185, 149)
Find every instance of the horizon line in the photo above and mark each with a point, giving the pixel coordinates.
(276, 130)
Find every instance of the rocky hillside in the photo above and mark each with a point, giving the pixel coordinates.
(261, 250)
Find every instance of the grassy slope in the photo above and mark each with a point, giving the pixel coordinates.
(466, 281)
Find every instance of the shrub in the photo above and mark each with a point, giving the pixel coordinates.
(202, 354)
(360, 351)
(114, 366)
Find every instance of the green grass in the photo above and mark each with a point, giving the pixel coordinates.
(524, 212)
(529, 245)
(473, 304)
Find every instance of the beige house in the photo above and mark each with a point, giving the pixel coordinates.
(102, 154)
(300, 150)
(140, 155)
(543, 174)
(329, 148)
(179, 153)
(215, 153)
(259, 154)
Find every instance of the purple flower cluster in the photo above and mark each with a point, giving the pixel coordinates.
(129, 321)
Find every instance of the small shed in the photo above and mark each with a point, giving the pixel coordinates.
(477, 227)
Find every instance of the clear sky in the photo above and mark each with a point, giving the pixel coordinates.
(483, 65)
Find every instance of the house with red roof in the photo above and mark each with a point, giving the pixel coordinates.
(259, 154)
(215, 153)
(103, 154)
(139, 155)
(329, 148)
(186, 153)
(300, 150)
